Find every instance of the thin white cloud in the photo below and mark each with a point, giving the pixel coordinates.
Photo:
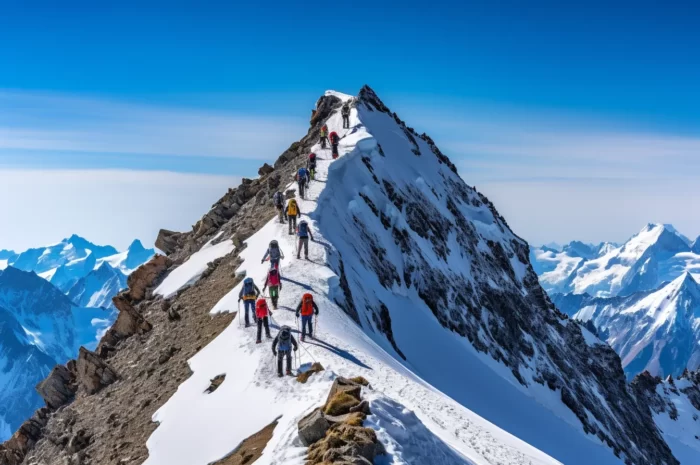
(35, 121)
(106, 206)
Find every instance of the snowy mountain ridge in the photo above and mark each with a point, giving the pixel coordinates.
(423, 289)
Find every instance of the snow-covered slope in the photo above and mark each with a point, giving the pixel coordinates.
(127, 261)
(657, 254)
(426, 292)
(39, 327)
(657, 331)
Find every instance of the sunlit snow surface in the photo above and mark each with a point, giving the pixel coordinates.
(431, 409)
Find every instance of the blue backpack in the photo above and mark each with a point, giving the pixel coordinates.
(248, 287)
(303, 229)
(284, 344)
(302, 173)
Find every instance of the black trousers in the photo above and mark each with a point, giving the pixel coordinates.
(261, 322)
(292, 223)
(346, 121)
(281, 354)
(335, 150)
(302, 188)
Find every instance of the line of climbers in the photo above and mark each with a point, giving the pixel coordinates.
(250, 294)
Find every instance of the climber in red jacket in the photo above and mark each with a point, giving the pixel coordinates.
(335, 140)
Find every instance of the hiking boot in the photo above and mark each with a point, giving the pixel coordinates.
(303, 338)
(268, 336)
(258, 341)
(289, 373)
(298, 257)
(306, 257)
(247, 324)
(279, 375)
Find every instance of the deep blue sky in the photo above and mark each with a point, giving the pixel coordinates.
(630, 70)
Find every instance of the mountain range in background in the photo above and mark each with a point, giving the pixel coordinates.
(642, 297)
(53, 300)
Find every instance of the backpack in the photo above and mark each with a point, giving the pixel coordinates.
(307, 304)
(334, 138)
(261, 308)
(273, 277)
(302, 174)
(284, 342)
(274, 250)
(292, 207)
(312, 157)
(278, 199)
(248, 287)
(303, 229)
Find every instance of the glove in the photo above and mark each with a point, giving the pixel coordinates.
(316, 313)
(239, 300)
(297, 315)
(262, 261)
(295, 349)
(274, 352)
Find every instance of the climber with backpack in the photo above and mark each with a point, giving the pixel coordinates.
(335, 140)
(262, 313)
(278, 201)
(323, 136)
(345, 112)
(304, 233)
(307, 308)
(282, 347)
(274, 253)
(302, 180)
(292, 213)
(249, 292)
(311, 165)
(274, 282)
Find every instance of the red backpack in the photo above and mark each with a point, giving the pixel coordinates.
(307, 305)
(334, 138)
(312, 157)
(261, 308)
(273, 278)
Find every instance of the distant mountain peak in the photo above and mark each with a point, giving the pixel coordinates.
(136, 246)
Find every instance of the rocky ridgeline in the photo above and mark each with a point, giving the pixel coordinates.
(245, 209)
(646, 388)
(99, 407)
(334, 432)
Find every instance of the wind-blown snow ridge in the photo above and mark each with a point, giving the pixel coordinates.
(425, 291)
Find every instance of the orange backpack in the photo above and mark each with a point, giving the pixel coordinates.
(307, 305)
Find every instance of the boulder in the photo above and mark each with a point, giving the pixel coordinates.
(145, 275)
(129, 321)
(347, 386)
(93, 372)
(15, 449)
(58, 388)
(313, 427)
(265, 170)
(167, 241)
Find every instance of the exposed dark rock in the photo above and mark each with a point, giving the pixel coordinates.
(129, 321)
(265, 170)
(167, 241)
(313, 427)
(93, 373)
(58, 388)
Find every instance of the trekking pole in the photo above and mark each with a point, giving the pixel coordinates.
(239, 314)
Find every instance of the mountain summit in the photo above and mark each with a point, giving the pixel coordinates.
(424, 293)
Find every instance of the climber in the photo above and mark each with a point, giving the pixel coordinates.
(274, 253)
(304, 233)
(323, 136)
(292, 213)
(282, 347)
(345, 112)
(307, 307)
(311, 165)
(302, 180)
(278, 201)
(262, 312)
(274, 281)
(249, 292)
(335, 140)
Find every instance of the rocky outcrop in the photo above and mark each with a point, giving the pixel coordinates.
(144, 277)
(129, 321)
(168, 241)
(334, 432)
(93, 373)
(13, 451)
(58, 388)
